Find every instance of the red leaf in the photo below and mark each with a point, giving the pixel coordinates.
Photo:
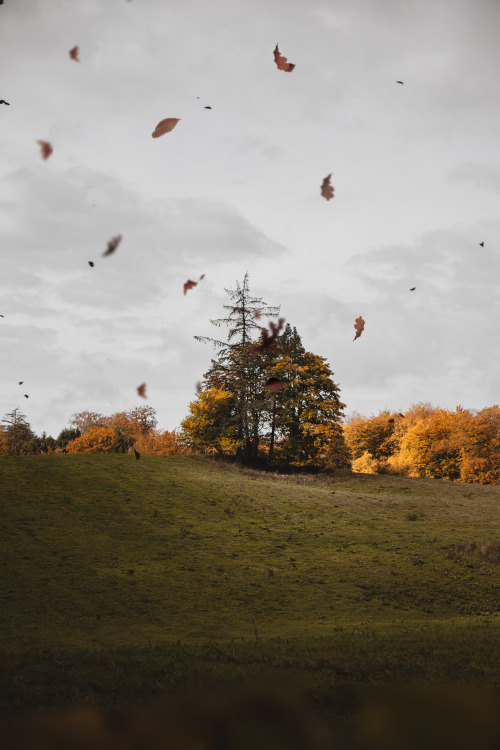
(326, 189)
(256, 314)
(112, 245)
(273, 384)
(73, 53)
(46, 149)
(281, 61)
(189, 285)
(165, 126)
(267, 339)
(359, 327)
(141, 390)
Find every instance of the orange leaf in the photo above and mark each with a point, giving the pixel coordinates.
(165, 126)
(46, 149)
(326, 189)
(281, 61)
(189, 285)
(359, 327)
(141, 390)
(73, 53)
(112, 245)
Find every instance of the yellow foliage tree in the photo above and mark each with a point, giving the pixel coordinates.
(481, 448)
(209, 427)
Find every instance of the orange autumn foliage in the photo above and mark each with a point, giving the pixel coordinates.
(427, 442)
(95, 440)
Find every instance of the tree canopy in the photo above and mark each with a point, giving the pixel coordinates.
(298, 425)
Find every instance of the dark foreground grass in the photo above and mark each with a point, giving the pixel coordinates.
(121, 580)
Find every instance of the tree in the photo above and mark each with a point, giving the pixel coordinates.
(210, 426)
(238, 371)
(299, 425)
(306, 418)
(17, 432)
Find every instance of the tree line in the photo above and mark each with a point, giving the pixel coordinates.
(298, 424)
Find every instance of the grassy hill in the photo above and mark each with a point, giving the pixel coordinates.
(124, 578)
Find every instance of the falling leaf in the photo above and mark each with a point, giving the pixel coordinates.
(359, 326)
(401, 82)
(26, 396)
(189, 285)
(326, 189)
(46, 149)
(2, 101)
(273, 384)
(202, 277)
(137, 454)
(130, 572)
(207, 107)
(481, 244)
(413, 288)
(91, 264)
(257, 314)
(21, 382)
(165, 126)
(391, 420)
(112, 245)
(73, 53)
(267, 339)
(141, 390)
(281, 61)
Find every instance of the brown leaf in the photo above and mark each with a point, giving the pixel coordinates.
(256, 314)
(91, 264)
(2, 101)
(141, 390)
(73, 53)
(359, 327)
(165, 126)
(189, 285)
(137, 454)
(273, 384)
(326, 189)
(46, 149)
(267, 339)
(26, 395)
(281, 61)
(112, 245)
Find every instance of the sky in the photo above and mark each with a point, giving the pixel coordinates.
(236, 188)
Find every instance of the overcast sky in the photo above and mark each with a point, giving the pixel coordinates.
(236, 188)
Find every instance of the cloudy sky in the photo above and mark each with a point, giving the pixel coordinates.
(236, 188)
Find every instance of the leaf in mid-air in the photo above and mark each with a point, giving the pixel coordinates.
(359, 327)
(273, 384)
(141, 390)
(326, 189)
(73, 53)
(91, 264)
(281, 61)
(189, 285)
(267, 339)
(112, 245)
(46, 149)
(165, 126)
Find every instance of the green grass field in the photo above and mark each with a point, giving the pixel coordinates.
(345, 583)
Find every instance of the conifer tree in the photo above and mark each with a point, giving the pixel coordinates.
(237, 370)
